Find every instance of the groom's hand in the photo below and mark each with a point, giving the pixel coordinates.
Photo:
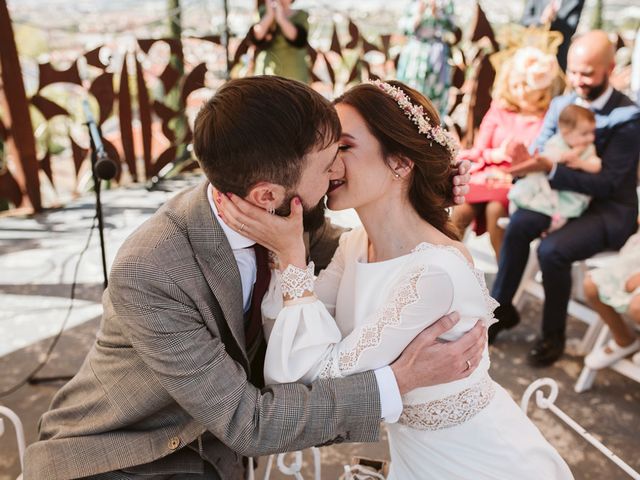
(428, 361)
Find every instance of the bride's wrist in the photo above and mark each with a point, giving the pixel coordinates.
(296, 261)
(296, 257)
(297, 283)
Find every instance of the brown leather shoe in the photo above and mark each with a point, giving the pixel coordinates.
(546, 351)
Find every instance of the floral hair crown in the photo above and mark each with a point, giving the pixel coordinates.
(416, 114)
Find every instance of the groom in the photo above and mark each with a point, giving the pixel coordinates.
(165, 392)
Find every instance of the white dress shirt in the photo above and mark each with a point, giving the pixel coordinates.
(390, 399)
(245, 255)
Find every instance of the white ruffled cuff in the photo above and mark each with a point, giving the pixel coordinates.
(296, 282)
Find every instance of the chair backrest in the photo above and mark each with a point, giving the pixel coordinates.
(17, 424)
(548, 403)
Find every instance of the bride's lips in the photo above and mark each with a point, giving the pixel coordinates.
(334, 184)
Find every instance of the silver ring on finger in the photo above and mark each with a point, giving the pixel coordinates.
(242, 227)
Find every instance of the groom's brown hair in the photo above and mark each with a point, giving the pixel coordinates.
(260, 129)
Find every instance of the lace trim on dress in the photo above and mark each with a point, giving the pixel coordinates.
(330, 370)
(405, 294)
(489, 301)
(296, 281)
(449, 411)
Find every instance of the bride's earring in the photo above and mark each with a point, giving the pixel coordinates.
(396, 175)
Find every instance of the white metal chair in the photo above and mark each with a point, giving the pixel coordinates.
(547, 403)
(624, 367)
(293, 469)
(17, 425)
(531, 284)
(597, 334)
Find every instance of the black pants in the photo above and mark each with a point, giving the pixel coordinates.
(579, 239)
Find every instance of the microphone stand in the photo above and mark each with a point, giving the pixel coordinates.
(102, 168)
(97, 152)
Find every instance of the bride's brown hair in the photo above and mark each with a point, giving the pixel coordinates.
(430, 179)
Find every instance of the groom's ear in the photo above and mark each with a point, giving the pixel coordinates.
(266, 195)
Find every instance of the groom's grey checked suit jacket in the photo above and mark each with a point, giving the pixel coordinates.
(164, 385)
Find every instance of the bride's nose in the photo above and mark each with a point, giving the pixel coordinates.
(337, 169)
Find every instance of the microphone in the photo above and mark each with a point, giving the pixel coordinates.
(104, 168)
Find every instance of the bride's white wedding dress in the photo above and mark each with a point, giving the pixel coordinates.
(467, 429)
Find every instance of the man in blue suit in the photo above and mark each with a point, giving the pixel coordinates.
(612, 215)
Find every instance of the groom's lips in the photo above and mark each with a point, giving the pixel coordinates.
(333, 184)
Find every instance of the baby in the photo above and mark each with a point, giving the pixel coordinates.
(573, 146)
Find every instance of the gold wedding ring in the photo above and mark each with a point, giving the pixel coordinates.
(242, 227)
(468, 365)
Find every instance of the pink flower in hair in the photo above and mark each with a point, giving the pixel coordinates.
(416, 114)
(538, 68)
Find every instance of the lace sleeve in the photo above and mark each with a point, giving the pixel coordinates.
(423, 296)
(306, 343)
(325, 288)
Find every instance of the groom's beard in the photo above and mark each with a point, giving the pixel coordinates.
(312, 217)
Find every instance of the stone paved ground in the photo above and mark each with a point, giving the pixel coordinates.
(37, 261)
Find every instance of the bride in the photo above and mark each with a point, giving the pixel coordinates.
(385, 284)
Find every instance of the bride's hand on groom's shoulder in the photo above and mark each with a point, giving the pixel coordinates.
(281, 235)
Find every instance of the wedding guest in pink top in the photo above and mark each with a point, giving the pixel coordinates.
(522, 92)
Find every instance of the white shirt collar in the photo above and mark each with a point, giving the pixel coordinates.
(598, 103)
(236, 241)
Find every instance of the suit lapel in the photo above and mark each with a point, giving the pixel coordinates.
(612, 103)
(217, 262)
(604, 121)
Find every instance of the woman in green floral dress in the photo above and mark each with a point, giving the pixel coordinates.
(423, 63)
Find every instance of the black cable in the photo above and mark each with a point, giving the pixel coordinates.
(54, 342)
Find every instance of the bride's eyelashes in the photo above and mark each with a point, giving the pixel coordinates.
(343, 147)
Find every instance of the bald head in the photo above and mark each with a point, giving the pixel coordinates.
(594, 46)
(589, 64)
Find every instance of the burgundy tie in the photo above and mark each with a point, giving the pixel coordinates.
(253, 327)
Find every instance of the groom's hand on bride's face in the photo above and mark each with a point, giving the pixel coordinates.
(460, 178)
(428, 361)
